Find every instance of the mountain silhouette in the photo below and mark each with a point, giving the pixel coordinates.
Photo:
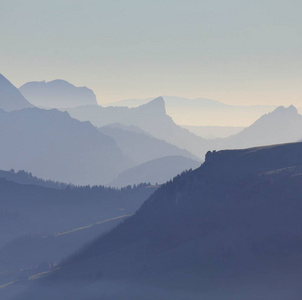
(141, 146)
(10, 96)
(231, 229)
(57, 94)
(24, 177)
(40, 226)
(156, 171)
(282, 125)
(52, 145)
(203, 111)
(150, 117)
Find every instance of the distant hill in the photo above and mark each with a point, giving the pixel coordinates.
(156, 171)
(231, 229)
(24, 177)
(57, 94)
(150, 117)
(204, 112)
(41, 226)
(10, 96)
(282, 125)
(52, 145)
(141, 146)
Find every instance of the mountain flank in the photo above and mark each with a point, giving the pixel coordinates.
(231, 229)
(10, 96)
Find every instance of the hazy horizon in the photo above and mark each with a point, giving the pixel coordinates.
(237, 52)
(185, 182)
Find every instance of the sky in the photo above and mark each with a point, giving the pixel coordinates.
(235, 51)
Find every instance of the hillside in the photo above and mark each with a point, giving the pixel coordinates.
(140, 146)
(41, 226)
(10, 96)
(52, 145)
(24, 177)
(156, 171)
(231, 229)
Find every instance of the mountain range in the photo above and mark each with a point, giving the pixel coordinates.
(282, 125)
(231, 229)
(150, 117)
(203, 111)
(57, 94)
(141, 146)
(52, 145)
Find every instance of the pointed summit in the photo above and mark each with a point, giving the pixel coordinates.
(283, 125)
(10, 96)
(283, 111)
(157, 104)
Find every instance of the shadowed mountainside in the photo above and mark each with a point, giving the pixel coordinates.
(40, 226)
(231, 229)
(52, 145)
(24, 177)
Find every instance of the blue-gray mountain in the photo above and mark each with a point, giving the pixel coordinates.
(52, 145)
(156, 171)
(57, 94)
(10, 97)
(41, 226)
(150, 117)
(24, 177)
(203, 111)
(283, 125)
(231, 229)
(141, 146)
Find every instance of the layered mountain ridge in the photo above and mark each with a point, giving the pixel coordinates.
(228, 230)
(52, 145)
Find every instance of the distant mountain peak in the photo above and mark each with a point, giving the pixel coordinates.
(57, 93)
(157, 104)
(281, 110)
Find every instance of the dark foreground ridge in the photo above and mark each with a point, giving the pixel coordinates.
(231, 229)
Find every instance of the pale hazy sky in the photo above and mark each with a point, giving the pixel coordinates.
(235, 51)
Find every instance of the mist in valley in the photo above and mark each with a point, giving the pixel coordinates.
(150, 150)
